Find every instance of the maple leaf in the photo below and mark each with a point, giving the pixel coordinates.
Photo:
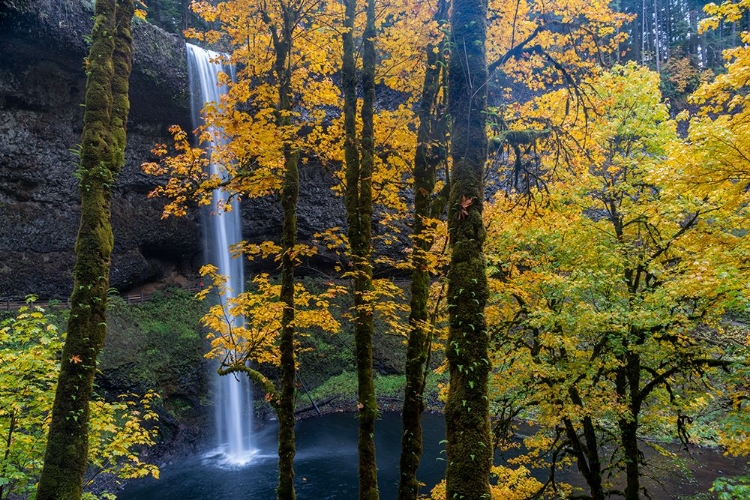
(465, 204)
(75, 359)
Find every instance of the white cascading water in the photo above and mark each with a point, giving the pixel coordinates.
(232, 397)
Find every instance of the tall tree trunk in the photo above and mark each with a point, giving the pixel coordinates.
(645, 32)
(358, 199)
(285, 409)
(636, 40)
(368, 470)
(668, 31)
(289, 195)
(428, 156)
(102, 152)
(694, 43)
(469, 449)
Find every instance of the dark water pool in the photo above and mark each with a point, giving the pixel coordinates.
(325, 464)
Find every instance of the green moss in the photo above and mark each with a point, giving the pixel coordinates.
(154, 345)
(344, 386)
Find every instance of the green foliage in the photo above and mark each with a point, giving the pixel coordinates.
(608, 300)
(344, 386)
(736, 488)
(29, 349)
(323, 355)
(156, 344)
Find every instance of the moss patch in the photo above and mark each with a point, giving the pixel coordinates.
(156, 345)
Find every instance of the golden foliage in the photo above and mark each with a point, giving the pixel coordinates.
(245, 328)
(630, 253)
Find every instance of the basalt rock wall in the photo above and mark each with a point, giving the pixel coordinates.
(42, 88)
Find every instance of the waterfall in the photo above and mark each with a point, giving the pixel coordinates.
(232, 397)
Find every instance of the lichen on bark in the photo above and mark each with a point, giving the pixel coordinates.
(289, 194)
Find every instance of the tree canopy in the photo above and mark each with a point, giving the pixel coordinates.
(593, 241)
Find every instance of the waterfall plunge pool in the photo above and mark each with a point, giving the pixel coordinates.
(325, 465)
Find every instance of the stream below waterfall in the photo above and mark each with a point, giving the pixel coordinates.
(326, 466)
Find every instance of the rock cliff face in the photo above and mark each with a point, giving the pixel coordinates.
(42, 85)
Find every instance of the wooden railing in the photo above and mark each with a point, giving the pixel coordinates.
(132, 298)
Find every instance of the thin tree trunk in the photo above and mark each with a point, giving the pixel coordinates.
(285, 409)
(289, 195)
(636, 42)
(428, 156)
(358, 199)
(368, 412)
(644, 32)
(469, 448)
(668, 32)
(102, 151)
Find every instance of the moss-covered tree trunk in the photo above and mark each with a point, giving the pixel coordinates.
(430, 136)
(285, 409)
(358, 199)
(469, 448)
(102, 152)
(283, 40)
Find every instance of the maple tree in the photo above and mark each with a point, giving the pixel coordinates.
(28, 375)
(540, 44)
(720, 133)
(469, 447)
(608, 299)
(244, 347)
(102, 154)
(358, 159)
(720, 127)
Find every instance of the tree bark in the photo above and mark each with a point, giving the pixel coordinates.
(586, 452)
(358, 200)
(627, 384)
(469, 448)
(430, 136)
(657, 37)
(289, 195)
(102, 151)
(365, 329)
